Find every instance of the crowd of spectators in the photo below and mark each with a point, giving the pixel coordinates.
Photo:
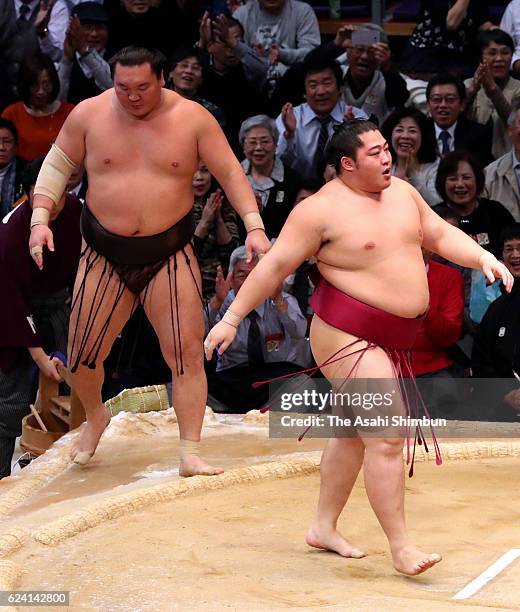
(448, 104)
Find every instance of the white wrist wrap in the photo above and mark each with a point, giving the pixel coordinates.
(40, 216)
(231, 318)
(252, 221)
(54, 175)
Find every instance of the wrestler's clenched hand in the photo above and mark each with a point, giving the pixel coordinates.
(493, 269)
(219, 337)
(256, 242)
(49, 368)
(41, 236)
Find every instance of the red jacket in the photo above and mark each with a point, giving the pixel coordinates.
(443, 323)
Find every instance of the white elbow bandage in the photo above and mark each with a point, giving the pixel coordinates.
(252, 221)
(54, 175)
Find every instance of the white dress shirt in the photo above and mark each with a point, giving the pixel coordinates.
(298, 152)
(52, 44)
(282, 334)
(93, 65)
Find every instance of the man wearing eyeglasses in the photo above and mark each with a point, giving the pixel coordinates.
(11, 167)
(445, 95)
(372, 82)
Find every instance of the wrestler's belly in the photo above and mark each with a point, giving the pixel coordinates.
(399, 287)
(138, 204)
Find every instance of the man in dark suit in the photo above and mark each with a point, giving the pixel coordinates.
(11, 168)
(7, 35)
(445, 96)
(84, 70)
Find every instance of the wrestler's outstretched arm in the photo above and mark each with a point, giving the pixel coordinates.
(454, 245)
(215, 152)
(67, 152)
(300, 238)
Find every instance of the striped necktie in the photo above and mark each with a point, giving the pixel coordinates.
(445, 138)
(322, 142)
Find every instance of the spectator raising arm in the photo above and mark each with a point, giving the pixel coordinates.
(307, 37)
(76, 48)
(50, 26)
(255, 64)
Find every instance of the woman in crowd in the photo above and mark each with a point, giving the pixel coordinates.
(460, 181)
(411, 139)
(216, 232)
(275, 184)
(39, 115)
(492, 93)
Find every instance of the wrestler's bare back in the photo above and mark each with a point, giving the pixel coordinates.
(140, 170)
(371, 246)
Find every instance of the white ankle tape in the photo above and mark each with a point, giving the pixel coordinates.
(189, 447)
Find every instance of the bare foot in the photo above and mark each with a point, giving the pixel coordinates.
(86, 443)
(332, 540)
(411, 561)
(193, 465)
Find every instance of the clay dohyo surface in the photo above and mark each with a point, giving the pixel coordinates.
(240, 545)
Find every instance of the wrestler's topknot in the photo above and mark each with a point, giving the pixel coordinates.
(137, 56)
(346, 141)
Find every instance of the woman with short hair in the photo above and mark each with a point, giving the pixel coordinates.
(460, 181)
(275, 184)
